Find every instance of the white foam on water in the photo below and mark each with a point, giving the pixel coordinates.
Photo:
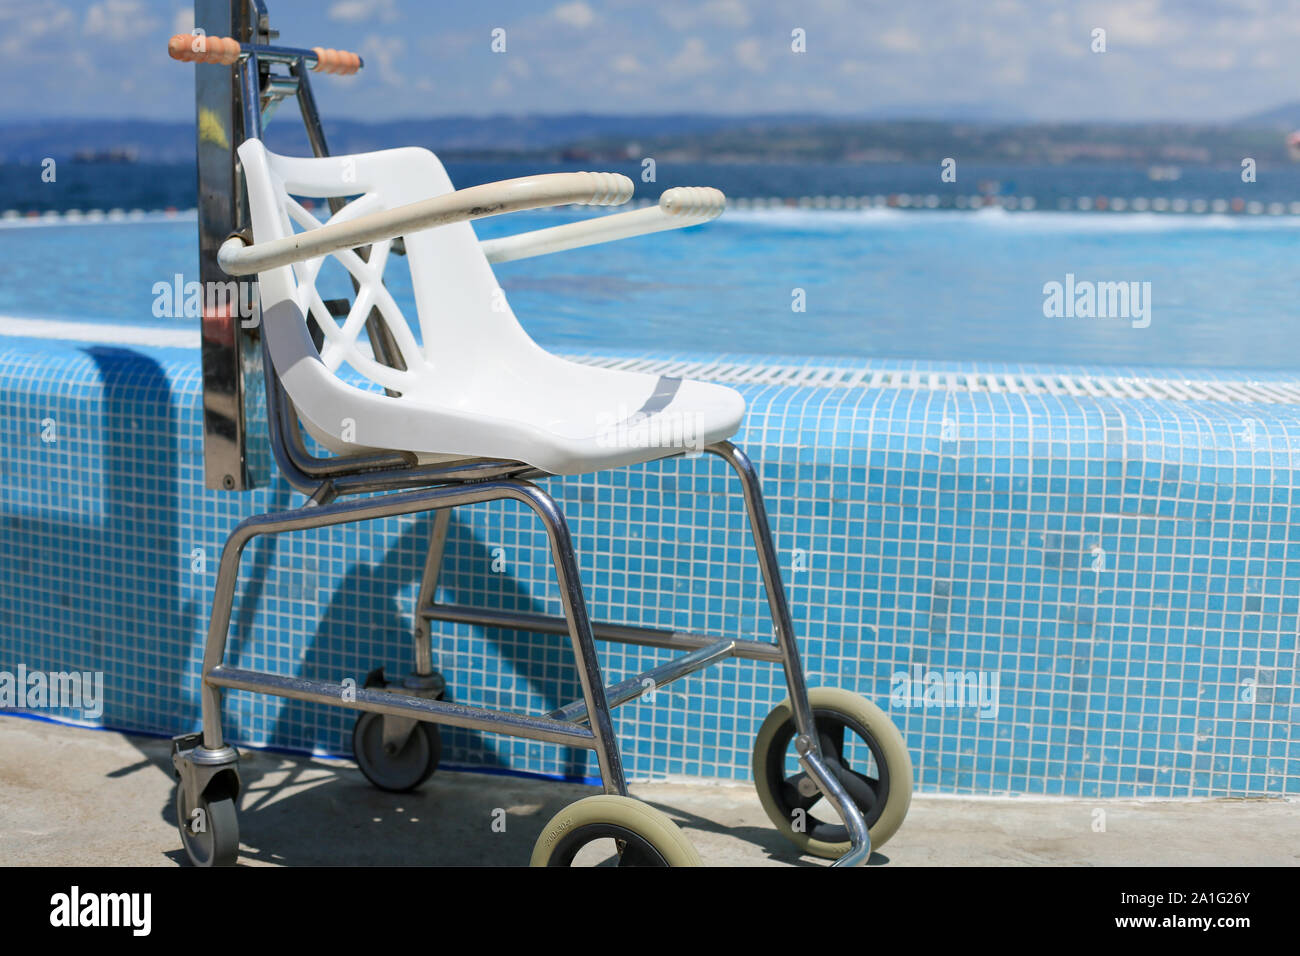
(995, 217)
(1039, 220)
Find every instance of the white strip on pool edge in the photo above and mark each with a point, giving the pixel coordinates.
(105, 332)
(114, 334)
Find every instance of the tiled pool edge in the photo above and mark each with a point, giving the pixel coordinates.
(1040, 515)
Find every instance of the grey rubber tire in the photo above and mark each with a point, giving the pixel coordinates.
(218, 843)
(400, 772)
(837, 702)
(612, 810)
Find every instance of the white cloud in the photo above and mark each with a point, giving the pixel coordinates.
(685, 16)
(23, 36)
(381, 54)
(1010, 73)
(900, 40)
(693, 58)
(749, 54)
(731, 13)
(1208, 58)
(118, 20)
(576, 14)
(349, 11)
(355, 11)
(1168, 59)
(1138, 23)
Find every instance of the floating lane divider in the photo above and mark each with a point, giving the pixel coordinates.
(1098, 204)
(1160, 204)
(34, 217)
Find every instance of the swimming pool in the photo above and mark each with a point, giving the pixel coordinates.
(956, 286)
(1060, 573)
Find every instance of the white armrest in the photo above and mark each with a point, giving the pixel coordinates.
(476, 202)
(682, 206)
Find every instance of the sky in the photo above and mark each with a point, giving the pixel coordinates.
(1014, 59)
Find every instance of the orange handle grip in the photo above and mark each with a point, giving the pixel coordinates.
(339, 62)
(197, 48)
(192, 48)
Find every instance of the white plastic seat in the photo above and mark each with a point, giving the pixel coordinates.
(475, 384)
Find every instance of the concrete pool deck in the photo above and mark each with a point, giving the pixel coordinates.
(73, 796)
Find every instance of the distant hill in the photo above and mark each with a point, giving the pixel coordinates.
(1286, 116)
(32, 140)
(693, 137)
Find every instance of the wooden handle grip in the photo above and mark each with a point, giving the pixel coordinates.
(197, 48)
(339, 62)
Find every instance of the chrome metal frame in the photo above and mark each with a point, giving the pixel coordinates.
(585, 723)
(223, 121)
(231, 105)
(406, 487)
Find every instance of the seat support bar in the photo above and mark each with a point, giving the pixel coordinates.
(551, 729)
(613, 633)
(651, 680)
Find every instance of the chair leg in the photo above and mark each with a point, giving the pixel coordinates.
(428, 589)
(807, 743)
(580, 636)
(223, 603)
(770, 565)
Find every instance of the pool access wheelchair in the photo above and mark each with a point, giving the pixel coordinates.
(472, 410)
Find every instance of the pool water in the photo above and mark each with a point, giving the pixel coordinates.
(946, 285)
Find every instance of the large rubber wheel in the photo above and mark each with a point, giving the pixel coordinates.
(875, 770)
(211, 836)
(641, 835)
(401, 771)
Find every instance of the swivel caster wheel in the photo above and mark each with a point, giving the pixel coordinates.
(402, 762)
(209, 828)
(860, 746)
(398, 754)
(612, 830)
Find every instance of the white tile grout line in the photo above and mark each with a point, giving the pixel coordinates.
(758, 373)
(1095, 386)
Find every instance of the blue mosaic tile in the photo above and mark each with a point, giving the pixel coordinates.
(1126, 569)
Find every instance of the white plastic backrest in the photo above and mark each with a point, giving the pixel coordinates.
(463, 318)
